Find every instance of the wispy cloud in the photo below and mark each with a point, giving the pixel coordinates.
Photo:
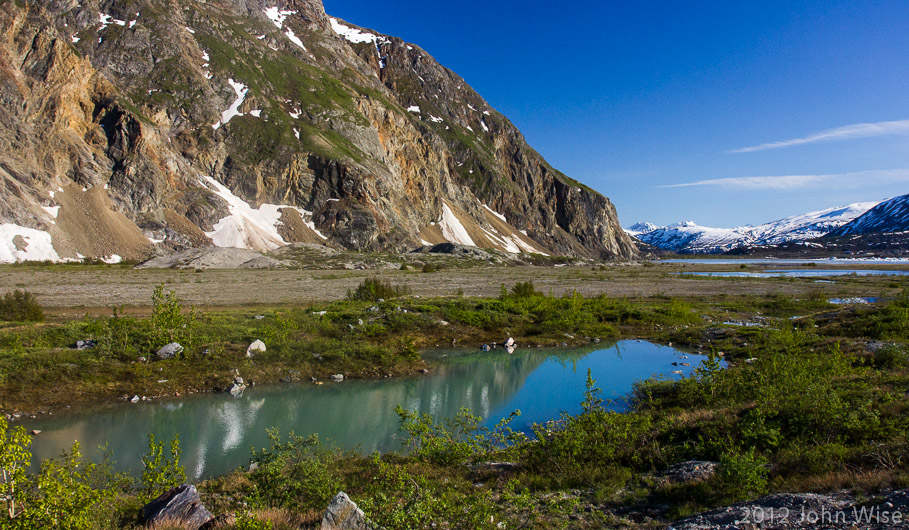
(792, 182)
(858, 130)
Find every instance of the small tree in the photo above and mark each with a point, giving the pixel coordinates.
(159, 473)
(14, 460)
(20, 306)
(169, 324)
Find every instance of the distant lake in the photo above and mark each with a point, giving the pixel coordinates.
(797, 273)
(781, 261)
(217, 430)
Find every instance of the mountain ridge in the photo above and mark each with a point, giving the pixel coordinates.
(688, 237)
(889, 215)
(356, 140)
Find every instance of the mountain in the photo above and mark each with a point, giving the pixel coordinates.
(640, 228)
(891, 215)
(688, 237)
(138, 127)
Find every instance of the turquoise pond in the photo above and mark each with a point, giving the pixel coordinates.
(217, 430)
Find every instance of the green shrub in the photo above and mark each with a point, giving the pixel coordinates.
(524, 290)
(62, 496)
(295, 474)
(374, 289)
(169, 324)
(400, 500)
(455, 440)
(20, 306)
(891, 357)
(160, 474)
(741, 476)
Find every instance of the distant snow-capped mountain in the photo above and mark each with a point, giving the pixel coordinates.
(640, 228)
(891, 215)
(688, 237)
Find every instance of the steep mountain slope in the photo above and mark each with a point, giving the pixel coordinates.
(891, 215)
(687, 237)
(130, 127)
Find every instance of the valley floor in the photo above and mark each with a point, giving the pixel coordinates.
(813, 400)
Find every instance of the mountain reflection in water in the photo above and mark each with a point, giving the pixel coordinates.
(217, 430)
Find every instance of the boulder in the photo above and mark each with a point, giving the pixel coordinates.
(169, 351)
(343, 514)
(179, 507)
(238, 386)
(337, 378)
(257, 346)
(86, 344)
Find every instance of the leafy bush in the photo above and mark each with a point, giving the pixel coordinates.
(168, 321)
(594, 448)
(62, 496)
(741, 476)
(294, 474)
(455, 440)
(374, 289)
(891, 357)
(159, 473)
(20, 306)
(400, 500)
(524, 290)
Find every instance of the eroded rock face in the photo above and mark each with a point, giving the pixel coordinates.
(117, 112)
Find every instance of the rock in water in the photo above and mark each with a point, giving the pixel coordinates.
(337, 378)
(343, 514)
(256, 347)
(179, 507)
(169, 351)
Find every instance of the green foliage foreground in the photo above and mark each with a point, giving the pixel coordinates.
(810, 410)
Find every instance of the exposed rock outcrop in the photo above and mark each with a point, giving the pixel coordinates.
(129, 128)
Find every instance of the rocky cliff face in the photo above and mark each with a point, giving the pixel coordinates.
(134, 126)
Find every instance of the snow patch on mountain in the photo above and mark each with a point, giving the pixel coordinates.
(688, 237)
(890, 215)
(234, 109)
(248, 227)
(452, 229)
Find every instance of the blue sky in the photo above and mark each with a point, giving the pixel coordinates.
(679, 110)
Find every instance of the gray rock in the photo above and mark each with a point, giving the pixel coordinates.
(134, 399)
(343, 514)
(337, 378)
(692, 470)
(180, 506)
(787, 511)
(257, 346)
(86, 344)
(169, 351)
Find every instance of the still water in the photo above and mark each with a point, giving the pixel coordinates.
(799, 273)
(217, 430)
(785, 261)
